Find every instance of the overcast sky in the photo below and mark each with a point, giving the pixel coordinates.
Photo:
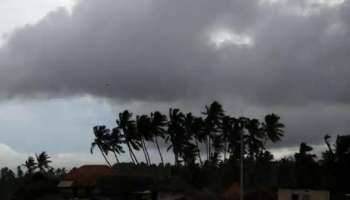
(67, 65)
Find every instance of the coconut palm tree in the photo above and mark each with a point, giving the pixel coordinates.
(273, 128)
(101, 135)
(43, 161)
(176, 133)
(131, 138)
(212, 123)
(254, 138)
(158, 124)
(194, 130)
(115, 141)
(143, 124)
(234, 137)
(227, 130)
(189, 154)
(30, 165)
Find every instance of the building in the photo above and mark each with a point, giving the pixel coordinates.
(81, 182)
(103, 182)
(303, 194)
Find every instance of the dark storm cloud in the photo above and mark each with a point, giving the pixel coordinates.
(160, 50)
(156, 50)
(126, 50)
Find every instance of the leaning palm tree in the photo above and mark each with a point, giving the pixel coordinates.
(158, 123)
(30, 165)
(143, 124)
(273, 128)
(115, 142)
(101, 133)
(194, 130)
(176, 133)
(43, 161)
(131, 138)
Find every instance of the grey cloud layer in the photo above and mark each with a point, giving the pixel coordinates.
(159, 50)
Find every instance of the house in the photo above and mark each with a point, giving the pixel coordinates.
(103, 182)
(81, 182)
(303, 194)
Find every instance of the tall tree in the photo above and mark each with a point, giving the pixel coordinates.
(30, 165)
(143, 124)
(194, 130)
(176, 133)
(116, 140)
(254, 138)
(101, 135)
(131, 138)
(43, 161)
(273, 128)
(158, 124)
(227, 130)
(213, 119)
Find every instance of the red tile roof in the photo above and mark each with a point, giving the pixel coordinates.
(87, 175)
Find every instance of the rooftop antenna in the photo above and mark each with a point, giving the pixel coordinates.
(241, 194)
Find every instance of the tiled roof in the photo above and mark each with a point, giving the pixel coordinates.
(88, 174)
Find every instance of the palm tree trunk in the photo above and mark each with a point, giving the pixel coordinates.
(209, 148)
(115, 155)
(199, 153)
(160, 153)
(130, 153)
(149, 158)
(225, 150)
(104, 156)
(133, 154)
(144, 150)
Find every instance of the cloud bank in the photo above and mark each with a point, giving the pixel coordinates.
(284, 56)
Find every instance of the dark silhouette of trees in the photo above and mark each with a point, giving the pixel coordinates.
(101, 141)
(43, 161)
(188, 135)
(273, 128)
(176, 133)
(158, 124)
(30, 165)
(131, 138)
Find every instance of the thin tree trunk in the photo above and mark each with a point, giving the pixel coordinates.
(176, 159)
(148, 156)
(130, 153)
(225, 150)
(144, 150)
(115, 155)
(104, 156)
(199, 153)
(160, 153)
(209, 148)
